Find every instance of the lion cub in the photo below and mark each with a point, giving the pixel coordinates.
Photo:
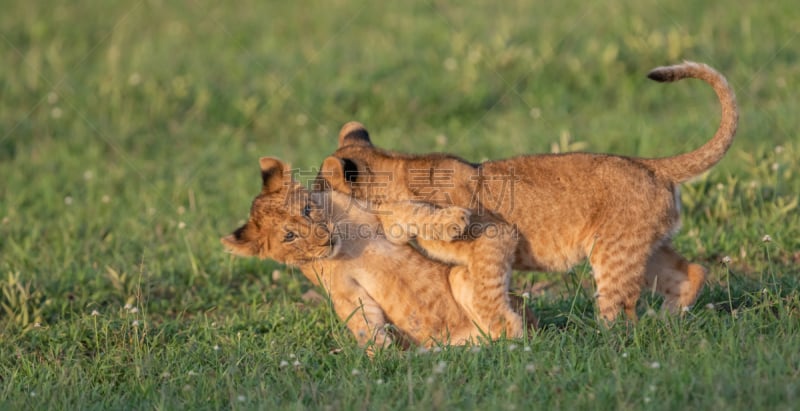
(372, 278)
(618, 211)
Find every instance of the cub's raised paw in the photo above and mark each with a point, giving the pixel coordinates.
(452, 222)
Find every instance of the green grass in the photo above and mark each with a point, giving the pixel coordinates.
(129, 139)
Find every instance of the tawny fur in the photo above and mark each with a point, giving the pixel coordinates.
(362, 258)
(619, 212)
(487, 248)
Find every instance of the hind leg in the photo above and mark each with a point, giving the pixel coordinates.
(678, 280)
(619, 274)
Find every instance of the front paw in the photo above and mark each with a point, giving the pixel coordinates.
(381, 341)
(452, 222)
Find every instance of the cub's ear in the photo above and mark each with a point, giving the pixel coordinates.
(354, 133)
(340, 173)
(236, 245)
(273, 175)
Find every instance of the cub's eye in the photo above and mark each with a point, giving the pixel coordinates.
(290, 236)
(307, 211)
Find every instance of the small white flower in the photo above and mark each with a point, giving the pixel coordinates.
(379, 381)
(655, 365)
(450, 64)
(646, 400)
(88, 175)
(37, 325)
(134, 310)
(95, 313)
(276, 275)
(296, 364)
(650, 312)
(720, 186)
(710, 306)
(241, 398)
(685, 309)
(778, 149)
(181, 225)
(68, 200)
(726, 260)
(56, 112)
(301, 119)
(127, 306)
(135, 323)
(165, 375)
(766, 238)
(530, 367)
(192, 373)
(355, 372)
(429, 380)
(33, 393)
(775, 166)
(105, 199)
(292, 355)
(437, 349)
(764, 291)
(527, 348)
(216, 348)
(624, 355)
(512, 347)
(284, 363)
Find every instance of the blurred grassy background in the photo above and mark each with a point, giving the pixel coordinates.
(130, 131)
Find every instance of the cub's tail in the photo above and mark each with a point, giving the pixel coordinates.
(685, 166)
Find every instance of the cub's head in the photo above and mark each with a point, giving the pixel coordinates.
(361, 169)
(358, 168)
(287, 223)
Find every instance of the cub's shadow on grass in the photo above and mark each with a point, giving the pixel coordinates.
(739, 292)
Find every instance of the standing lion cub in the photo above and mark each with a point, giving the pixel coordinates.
(363, 259)
(619, 212)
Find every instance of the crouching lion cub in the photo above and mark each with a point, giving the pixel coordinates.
(373, 277)
(618, 211)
